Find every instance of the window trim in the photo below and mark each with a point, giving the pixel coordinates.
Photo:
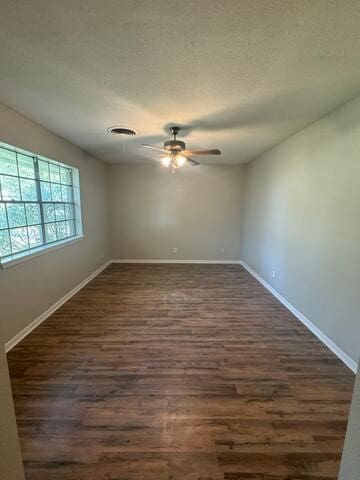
(22, 256)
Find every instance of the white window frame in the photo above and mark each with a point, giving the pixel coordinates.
(27, 254)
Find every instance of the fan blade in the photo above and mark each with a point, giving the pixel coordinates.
(203, 152)
(155, 148)
(192, 162)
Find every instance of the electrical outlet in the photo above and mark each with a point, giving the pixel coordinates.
(222, 249)
(175, 250)
(273, 273)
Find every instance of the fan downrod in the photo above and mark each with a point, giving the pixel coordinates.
(174, 130)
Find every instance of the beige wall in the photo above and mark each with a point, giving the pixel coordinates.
(301, 216)
(196, 210)
(29, 288)
(350, 463)
(10, 456)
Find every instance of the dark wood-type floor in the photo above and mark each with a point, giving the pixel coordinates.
(178, 372)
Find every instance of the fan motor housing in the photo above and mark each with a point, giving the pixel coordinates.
(174, 145)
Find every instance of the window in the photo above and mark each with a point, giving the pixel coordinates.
(39, 203)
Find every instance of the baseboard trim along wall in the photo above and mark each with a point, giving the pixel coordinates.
(29, 328)
(137, 260)
(344, 357)
(313, 328)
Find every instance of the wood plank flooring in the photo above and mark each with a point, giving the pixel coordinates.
(169, 372)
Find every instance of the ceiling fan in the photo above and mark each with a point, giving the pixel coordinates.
(175, 153)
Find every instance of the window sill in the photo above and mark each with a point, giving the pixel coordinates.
(20, 258)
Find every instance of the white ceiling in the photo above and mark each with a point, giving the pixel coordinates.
(243, 74)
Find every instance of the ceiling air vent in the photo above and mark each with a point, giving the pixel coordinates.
(121, 131)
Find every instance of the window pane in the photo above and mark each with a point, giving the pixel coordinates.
(45, 191)
(72, 228)
(10, 188)
(50, 232)
(3, 220)
(65, 176)
(19, 239)
(56, 192)
(28, 190)
(49, 212)
(59, 212)
(35, 236)
(32, 213)
(26, 166)
(16, 215)
(8, 162)
(54, 173)
(70, 231)
(69, 212)
(61, 230)
(44, 170)
(5, 248)
(66, 193)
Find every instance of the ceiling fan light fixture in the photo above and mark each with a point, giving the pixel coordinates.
(176, 153)
(180, 160)
(166, 161)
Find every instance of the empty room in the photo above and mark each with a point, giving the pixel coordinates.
(179, 239)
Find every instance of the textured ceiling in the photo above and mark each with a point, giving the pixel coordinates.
(242, 75)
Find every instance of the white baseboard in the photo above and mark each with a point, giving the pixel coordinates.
(344, 357)
(138, 260)
(29, 328)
